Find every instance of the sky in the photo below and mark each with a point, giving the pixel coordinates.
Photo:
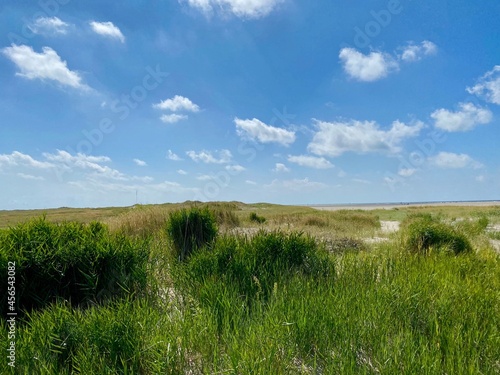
(280, 101)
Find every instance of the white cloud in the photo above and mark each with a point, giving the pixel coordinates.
(240, 8)
(205, 177)
(414, 52)
(466, 118)
(361, 181)
(407, 172)
(296, 185)
(280, 167)
(488, 86)
(258, 131)
(48, 26)
(207, 157)
(45, 66)
(172, 118)
(85, 162)
(182, 172)
(250, 182)
(450, 160)
(177, 103)
(367, 68)
(107, 29)
(172, 156)
(310, 161)
(140, 163)
(235, 168)
(30, 177)
(19, 159)
(336, 138)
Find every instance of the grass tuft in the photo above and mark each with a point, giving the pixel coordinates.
(190, 230)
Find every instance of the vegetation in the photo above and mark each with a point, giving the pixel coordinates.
(72, 262)
(423, 235)
(190, 230)
(293, 296)
(256, 218)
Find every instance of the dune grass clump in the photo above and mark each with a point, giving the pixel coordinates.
(424, 234)
(248, 268)
(226, 217)
(75, 262)
(190, 230)
(256, 218)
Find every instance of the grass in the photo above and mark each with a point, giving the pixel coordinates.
(278, 301)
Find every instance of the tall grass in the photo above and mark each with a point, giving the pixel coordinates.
(79, 263)
(191, 229)
(279, 303)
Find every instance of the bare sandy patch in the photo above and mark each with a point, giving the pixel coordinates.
(388, 227)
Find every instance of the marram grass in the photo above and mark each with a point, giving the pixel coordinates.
(277, 303)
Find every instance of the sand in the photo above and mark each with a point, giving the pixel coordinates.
(389, 206)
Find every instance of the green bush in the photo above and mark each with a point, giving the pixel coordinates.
(253, 265)
(425, 234)
(80, 263)
(256, 218)
(190, 230)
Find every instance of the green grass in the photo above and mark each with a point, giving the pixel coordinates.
(277, 302)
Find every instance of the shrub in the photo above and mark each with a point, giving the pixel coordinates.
(251, 266)
(80, 263)
(190, 230)
(424, 234)
(256, 218)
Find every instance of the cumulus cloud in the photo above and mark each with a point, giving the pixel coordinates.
(250, 182)
(280, 167)
(466, 118)
(488, 86)
(172, 156)
(377, 65)
(407, 172)
(240, 8)
(17, 158)
(107, 29)
(46, 65)
(49, 26)
(182, 172)
(256, 130)
(367, 68)
(80, 161)
(296, 185)
(336, 138)
(224, 157)
(414, 52)
(310, 161)
(450, 160)
(177, 103)
(30, 177)
(172, 118)
(140, 163)
(235, 168)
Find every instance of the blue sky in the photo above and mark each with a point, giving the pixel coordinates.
(283, 101)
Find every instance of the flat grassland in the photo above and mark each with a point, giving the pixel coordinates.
(352, 298)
